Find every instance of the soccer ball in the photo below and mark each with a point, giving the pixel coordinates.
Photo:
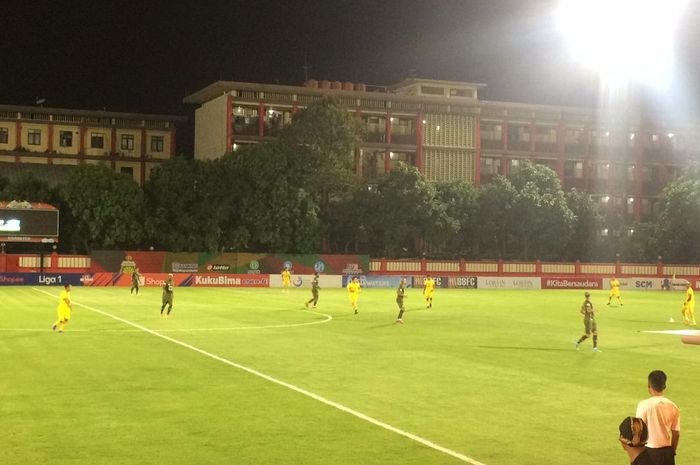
(671, 320)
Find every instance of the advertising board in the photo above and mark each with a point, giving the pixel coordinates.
(463, 282)
(507, 282)
(572, 283)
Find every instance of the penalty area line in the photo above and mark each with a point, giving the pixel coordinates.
(289, 386)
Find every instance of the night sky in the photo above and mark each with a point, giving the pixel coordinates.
(146, 56)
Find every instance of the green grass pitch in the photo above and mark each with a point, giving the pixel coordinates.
(491, 375)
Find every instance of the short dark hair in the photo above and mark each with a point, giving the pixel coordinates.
(657, 380)
(634, 432)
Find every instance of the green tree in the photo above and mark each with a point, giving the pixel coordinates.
(678, 220)
(276, 211)
(461, 202)
(325, 137)
(188, 202)
(541, 221)
(407, 211)
(584, 240)
(493, 218)
(107, 208)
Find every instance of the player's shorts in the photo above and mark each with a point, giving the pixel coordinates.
(63, 314)
(615, 292)
(354, 298)
(429, 294)
(286, 282)
(168, 299)
(590, 325)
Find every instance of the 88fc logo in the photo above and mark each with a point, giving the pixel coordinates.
(463, 282)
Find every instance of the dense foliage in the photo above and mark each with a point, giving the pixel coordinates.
(298, 194)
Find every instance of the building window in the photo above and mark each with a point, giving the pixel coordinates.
(34, 137)
(403, 131)
(515, 166)
(405, 158)
(519, 137)
(245, 121)
(430, 90)
(490, 166)
(372, 164)
(546, 139)
(573, 169)
(127, 171)
(127, 142)
(468, 93)
(4, 135)
(375, 128)
(156, 143)
(65, 138)
(630, 205)
(97, 140)
(601, 170)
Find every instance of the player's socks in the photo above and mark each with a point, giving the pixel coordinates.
(583, 338)
(595, 342)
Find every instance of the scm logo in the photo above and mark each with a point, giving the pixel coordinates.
(643, 284)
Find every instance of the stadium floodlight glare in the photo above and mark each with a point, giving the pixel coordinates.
(624, 40)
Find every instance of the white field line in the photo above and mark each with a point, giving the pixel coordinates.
(292, 387)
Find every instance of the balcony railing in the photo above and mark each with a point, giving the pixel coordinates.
(243, 129)
(492, 144)
(405, 139)
(519, 145)
(375, 137)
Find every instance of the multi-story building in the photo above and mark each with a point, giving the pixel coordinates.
(443, 129)
(130, 143)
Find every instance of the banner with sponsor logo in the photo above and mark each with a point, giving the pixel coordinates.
(304, 280)
(637, 284)
(463, 282)
(180, 280)
(501, 282)
(234, 263)
(419, 281)
(572, 283)
(40, 279)
(230, 280)
(371, 281)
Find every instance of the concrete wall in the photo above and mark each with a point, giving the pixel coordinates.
(210, 129)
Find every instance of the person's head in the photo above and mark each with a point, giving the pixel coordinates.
(402, 283)
(657, 381)
(354, 279)
(67, 287)
(688, 286)
(633, 432)
(427, 276)
(588, 295)
(170, 276)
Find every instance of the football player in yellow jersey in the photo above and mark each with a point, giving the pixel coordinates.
(64, 309)
(286, 280)
(614, 291)
(354, 293)
(689, 306)
(428, 289)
